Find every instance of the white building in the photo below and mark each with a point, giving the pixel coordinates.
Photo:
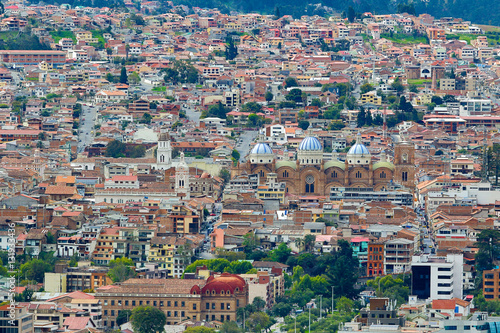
(122, 182)
(437, 277)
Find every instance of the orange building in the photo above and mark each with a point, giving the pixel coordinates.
(375, 264)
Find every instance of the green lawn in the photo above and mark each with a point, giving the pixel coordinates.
(418, 81)
(404, 39)
(491, 36)
(59, 34)
(160, 89)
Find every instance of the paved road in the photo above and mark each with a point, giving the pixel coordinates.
(191, 114)
(243, 146)
(87, 121)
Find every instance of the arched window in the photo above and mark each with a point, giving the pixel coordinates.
(358, 174)
(285, 173)
(309, 184)
(383, 175)
(261, 173)
(404, 176)
(334, 174)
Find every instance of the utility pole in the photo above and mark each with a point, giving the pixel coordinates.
(321, 307)
(310, 318)
(333, 298)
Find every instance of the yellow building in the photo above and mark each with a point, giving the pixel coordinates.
(372, 98)
(170, 254)
(86, 36)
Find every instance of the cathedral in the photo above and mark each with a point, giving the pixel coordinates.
(310, 174)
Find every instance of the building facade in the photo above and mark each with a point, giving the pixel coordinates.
(310, 174)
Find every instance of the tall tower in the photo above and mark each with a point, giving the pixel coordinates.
(404, 162)
(182, 178)
(164, 152)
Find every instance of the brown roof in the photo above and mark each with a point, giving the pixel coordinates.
(152, 286)
(57, 189)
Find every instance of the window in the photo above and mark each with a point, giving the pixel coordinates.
(213, 306)
(334, 174)
(194, 306)
(112, 312)
(183, 304)
(112, 303)
(229, 306)
(383, 175)
(176, 313)
(206, 305)
(168, 303)
(309, 184)
(222, 306)
(182, 314)
(154, 303)
(133, 303)
(404, 176)
(126, 303)
(285, 173)
(105, 312)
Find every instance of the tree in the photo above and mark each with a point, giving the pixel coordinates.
(398, 86)
(438, 153)
(366, 88)
(231, 51)
(304, 124)
(277, 14)
(121, 269)
(291, 82)
(351, 14)
(148, 319)
(253, 119)
(116, 149)
(413, 88)
(361, 117)
(259, 303)
(74, 260)
(123, 76)
(110, 78)
(225, 175)
(146, 118)
(309, 241)
(251, 107)
(281, 309)
(294, 95)
(280, 254)
(229, 327)
(488, 243)
(345, 305)
(316, 102)
(269, 96)
(134, 78)
(343, 271)
(123, 317)
(437, 100)
(258, 321)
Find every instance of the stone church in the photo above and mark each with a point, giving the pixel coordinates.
(310, 174)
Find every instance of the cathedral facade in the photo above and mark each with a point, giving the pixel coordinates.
(310, 174)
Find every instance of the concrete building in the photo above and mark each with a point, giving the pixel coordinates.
(437, 277)
(21, 323)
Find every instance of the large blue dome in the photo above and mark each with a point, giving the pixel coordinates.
(261, 148)
(310, 143)
(358, 149)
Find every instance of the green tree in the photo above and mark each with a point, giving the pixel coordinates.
(146, 118)
(258, 321)
(148, 319)
(488, 243)
(351, 14)
(304, 124)
(231, 51)
(123, 76)
(280, 254)
(251, 107)
(74, 260)
(343, 271)
(316, 102)
(134, 78)
(344, 305)
(120, 269)
(309, 241)
(366, 88)
(269, 96)
(116, 149)
(35, 269)
(398, 86)
(230, 327)
(225, 175)
(291, 82)
(123, 317)
(361, 117)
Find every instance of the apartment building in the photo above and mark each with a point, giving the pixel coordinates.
(437, 277)
(397, 255)
(491, 284)
(22, 322)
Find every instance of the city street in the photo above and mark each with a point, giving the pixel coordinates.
(87, 121)
(244, 141)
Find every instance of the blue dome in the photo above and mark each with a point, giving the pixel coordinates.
(310, 143)
(261, 148)
(358, 149)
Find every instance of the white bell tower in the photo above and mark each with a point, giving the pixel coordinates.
(164, 152)
(182, 178)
